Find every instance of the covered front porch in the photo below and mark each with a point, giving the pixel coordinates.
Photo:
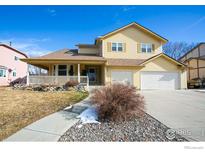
(62, 72)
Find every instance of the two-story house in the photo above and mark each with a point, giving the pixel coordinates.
(131, 54)
(11, 68)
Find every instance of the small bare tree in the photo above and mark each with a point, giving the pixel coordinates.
(177, 49)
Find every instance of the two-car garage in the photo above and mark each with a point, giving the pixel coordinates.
(160, 72)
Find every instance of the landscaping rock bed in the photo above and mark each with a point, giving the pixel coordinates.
(42, 88)
(145, 128)
(47, 88)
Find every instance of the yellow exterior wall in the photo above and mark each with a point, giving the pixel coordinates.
(131, 36)
(158, 64)
(88, 50)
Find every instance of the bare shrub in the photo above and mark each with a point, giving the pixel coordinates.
(118, 102)
(71, 83)
(21, 81)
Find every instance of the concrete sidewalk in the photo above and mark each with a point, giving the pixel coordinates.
(52, 127)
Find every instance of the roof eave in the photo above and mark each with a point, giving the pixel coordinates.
(41, 59)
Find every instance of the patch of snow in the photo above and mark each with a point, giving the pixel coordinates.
(69, 107)
(79, 126)
(90, 115)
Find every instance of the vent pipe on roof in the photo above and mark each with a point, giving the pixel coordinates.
(10, 43)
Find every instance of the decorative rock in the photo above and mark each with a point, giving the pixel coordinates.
(135, 129)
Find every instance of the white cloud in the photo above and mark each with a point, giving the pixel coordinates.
(29, 46)
(197, 22)
(128, 8)
(31, 49)
(52, 12)
(6, 41)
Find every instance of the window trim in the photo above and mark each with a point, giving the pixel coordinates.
(117, 46)
(146, 49)
(4, 73)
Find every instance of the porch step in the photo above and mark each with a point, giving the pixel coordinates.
(93, 87)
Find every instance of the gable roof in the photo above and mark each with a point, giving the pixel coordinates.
(129, 25)
(198, 45)
(8, 47)
(165, 56)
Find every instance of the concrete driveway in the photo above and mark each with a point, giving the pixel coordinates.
(182, 110)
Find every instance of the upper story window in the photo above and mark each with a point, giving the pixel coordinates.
(2, 72)
(146, 48)
(16, 58)
(117, 47)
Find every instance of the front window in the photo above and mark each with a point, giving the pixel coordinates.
(62, 70)
(2, 73)
(16, 58)
(146, 48)
(14, 73)
(117, 47)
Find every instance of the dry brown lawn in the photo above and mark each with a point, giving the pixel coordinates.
(18, 108)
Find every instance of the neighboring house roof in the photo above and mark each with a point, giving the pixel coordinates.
(133, 24)
(165, 56)
(191, 58)
(67, 54)
(124, 62)
(191, 50)
(6, 46)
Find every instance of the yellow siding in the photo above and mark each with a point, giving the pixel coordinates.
(131, 36)
(183, 75)
(159, 64)
(88, 50)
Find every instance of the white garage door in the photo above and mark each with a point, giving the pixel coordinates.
(122, 76)
(160, 80)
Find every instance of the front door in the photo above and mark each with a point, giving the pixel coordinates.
(92, 75)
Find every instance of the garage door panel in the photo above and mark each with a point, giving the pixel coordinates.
(122, 76)
(159, 80)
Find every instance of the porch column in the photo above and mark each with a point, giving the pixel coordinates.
(27, 76)
(56, 70)
(79, 73)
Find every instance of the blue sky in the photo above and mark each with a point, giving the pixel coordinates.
(37, 30)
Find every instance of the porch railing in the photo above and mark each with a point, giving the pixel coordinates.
(56, 80)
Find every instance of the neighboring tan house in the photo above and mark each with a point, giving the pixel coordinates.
(11, 68)
(131, 54)
(195, 60)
